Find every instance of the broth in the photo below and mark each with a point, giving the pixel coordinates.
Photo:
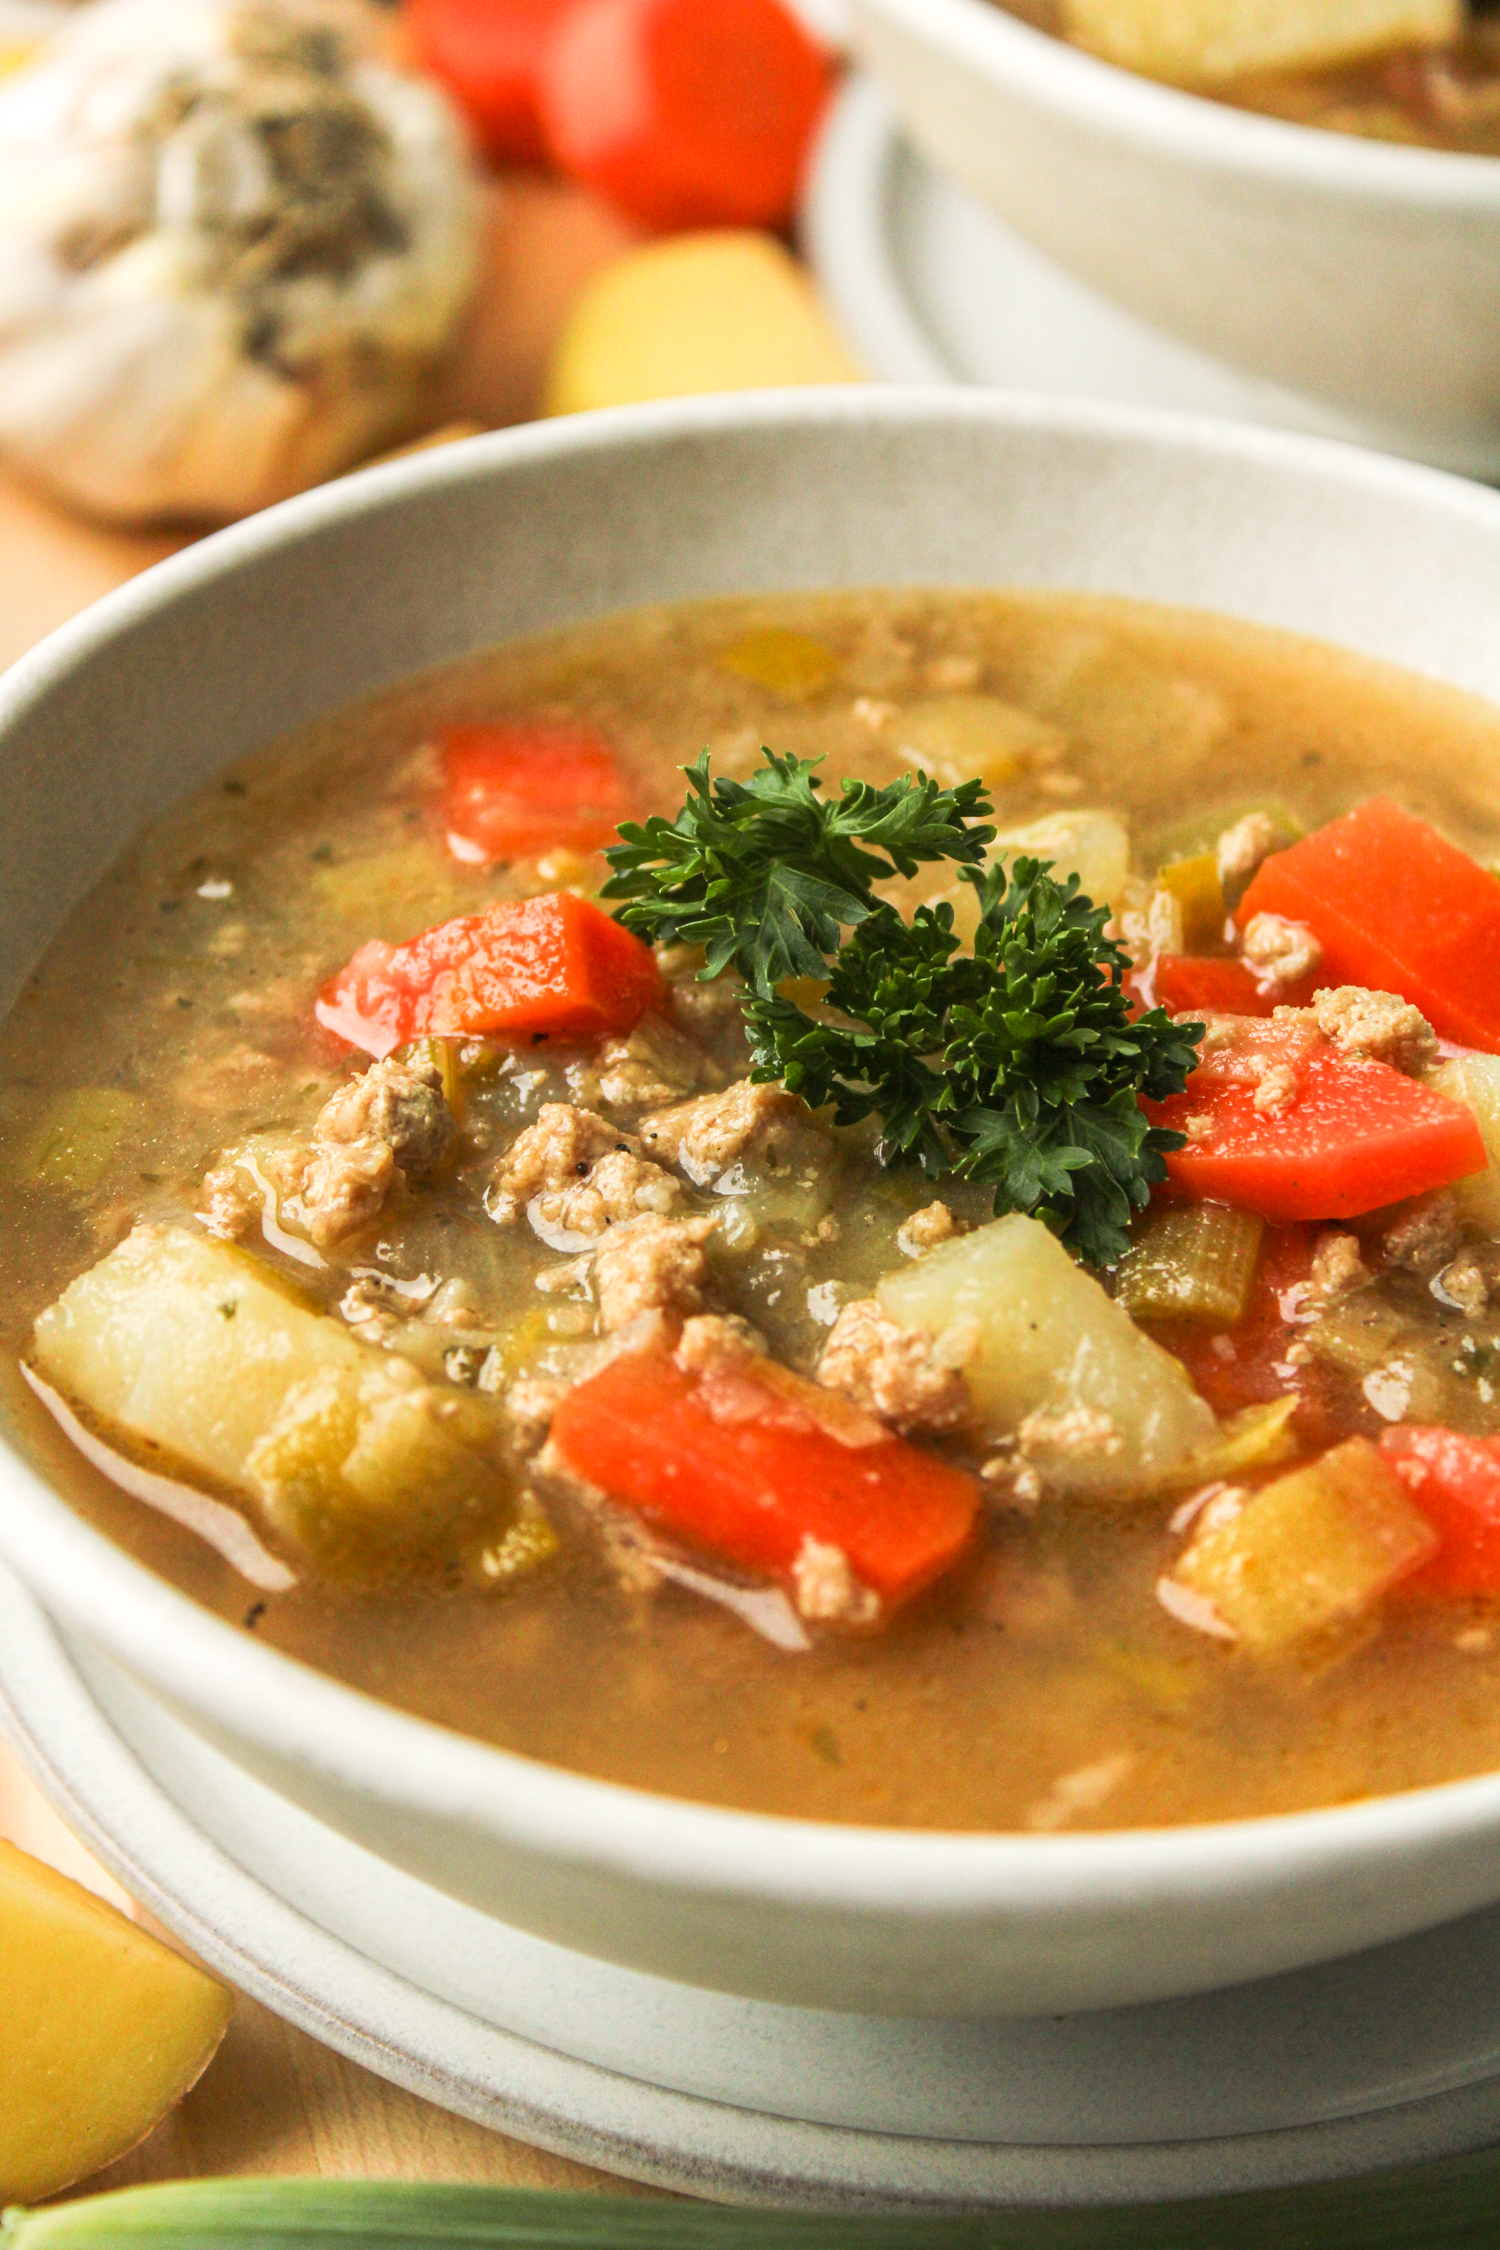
(1042, 1683)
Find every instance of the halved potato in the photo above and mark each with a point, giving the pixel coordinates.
(105, 2028)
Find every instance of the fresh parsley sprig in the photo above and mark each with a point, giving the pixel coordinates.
(1017, 1065)
(766, 874)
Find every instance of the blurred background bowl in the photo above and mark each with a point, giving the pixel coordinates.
(1365, 274)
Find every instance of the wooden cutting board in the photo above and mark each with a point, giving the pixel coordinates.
(274, 2101)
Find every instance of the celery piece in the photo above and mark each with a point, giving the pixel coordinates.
(1196, 886)
(1192, 1261)
(790, 664)
(445, 1056)
(1199, 834)
(72, 1146)
(1311, 1551)
(1258, 1437)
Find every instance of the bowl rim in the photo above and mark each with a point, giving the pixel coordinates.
(1171, 121)
(391, 1756)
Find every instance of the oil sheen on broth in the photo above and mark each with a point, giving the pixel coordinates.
(173, 1016)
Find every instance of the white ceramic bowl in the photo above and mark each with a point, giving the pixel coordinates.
(1362, 272)
(355, 586)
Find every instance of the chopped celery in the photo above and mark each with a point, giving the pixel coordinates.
(1311, 1551)
(1198, 890)
(72, 1146)
(1200, 833)
(789, 664)
(1193, 1261)
(446, 1056)
(1258, 1437)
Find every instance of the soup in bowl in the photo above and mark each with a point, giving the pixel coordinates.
(807, 1259)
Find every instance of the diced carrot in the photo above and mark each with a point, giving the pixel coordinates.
(1455, 1482)
(1397, 907)
(751, 1485)
(537, 968)
(488, 54)
(685, 113)
(1187, 984)
(1349, 1136)
(528, 784)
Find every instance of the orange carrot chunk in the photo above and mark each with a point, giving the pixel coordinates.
(749, 1478)
(536, 968)
(529, 785)
(1347, 1137)
(488, 54)
(1397, 907)
(1454, 1481)
(685, 113)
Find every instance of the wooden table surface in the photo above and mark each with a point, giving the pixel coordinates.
(274, 2101)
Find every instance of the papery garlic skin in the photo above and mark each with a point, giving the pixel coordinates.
(235, 251)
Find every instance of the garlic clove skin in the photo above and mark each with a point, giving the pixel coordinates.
(235, 251)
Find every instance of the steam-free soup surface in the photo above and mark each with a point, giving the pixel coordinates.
(1042, 1683)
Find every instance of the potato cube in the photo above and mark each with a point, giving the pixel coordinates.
(105, 2028)
(1196, 42)
(1100, 1408)
(1311, 1551)
(966, 737)
(197, 1347)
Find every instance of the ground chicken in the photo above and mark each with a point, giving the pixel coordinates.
(399, 1103)
(1241, 849)
(650, 1264)
(1337, 1268)
(926, 1228)
(707, 1135)
(578, 1174)
(529, 1407)
(1277, 1089)
(899, 1374)
(1376, 1027)
(229, 1201)
(1423, 1237)
(1283, 952)
(652, 1064)
(714, 1342)
(1077, 1433)
(826, 1590)
(343, 1189)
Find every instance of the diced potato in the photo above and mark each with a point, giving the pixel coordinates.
(1051, 1344)
(730, 311)
(790, 664)
(1310, 1552)
(195, 1346)
(1203, 41)
(105, 2028)
(974, 738)
(1475, 1081)
(1094, 846)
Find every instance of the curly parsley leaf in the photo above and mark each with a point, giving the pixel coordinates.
(1018, 1066)
(767, 874)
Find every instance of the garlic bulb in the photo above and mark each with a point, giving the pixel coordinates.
(235, 248)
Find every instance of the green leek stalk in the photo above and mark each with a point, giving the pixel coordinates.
(1191, 1261)
(1444, 2206)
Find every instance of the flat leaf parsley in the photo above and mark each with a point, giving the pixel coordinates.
(1017, 1065)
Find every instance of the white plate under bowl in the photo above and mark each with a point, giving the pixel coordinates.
(929, 286)
(1384, 2059)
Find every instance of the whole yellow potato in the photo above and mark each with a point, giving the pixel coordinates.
(724, 311)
